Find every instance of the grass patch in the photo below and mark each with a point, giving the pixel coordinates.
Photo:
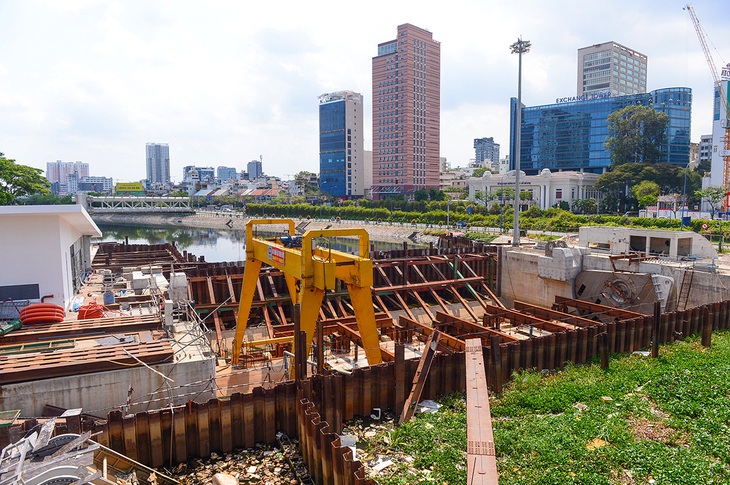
(643, 419)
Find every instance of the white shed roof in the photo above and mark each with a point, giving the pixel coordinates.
(75, 215)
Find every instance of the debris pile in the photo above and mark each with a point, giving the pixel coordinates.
(263, 464)
(373, 437)
(40, 458)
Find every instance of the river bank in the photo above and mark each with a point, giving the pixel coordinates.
(392, 233)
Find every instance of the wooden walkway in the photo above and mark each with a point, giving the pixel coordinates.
(481, 464)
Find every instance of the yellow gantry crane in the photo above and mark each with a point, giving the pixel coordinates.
(309, 272)
(722, 93)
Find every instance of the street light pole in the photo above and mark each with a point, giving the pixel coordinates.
(520, 47)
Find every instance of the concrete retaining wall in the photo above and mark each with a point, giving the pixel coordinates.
(102, 392)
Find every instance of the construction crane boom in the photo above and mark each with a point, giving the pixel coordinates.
(722, 93)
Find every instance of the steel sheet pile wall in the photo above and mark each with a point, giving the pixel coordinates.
(156, 438)
(174, 435)
(327, 460)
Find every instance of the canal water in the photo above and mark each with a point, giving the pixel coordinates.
(216, 245)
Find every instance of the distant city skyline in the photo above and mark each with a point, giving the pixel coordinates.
(118, 74)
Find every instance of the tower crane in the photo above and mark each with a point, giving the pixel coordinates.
(722, 93)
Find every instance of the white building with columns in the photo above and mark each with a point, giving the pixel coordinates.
(547, 188)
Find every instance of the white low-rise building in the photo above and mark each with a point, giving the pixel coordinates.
(548, 188)
(46, 251)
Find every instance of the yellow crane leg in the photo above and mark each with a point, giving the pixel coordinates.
(311, 303)
(250, 280)
(362, 301)
(291, 284)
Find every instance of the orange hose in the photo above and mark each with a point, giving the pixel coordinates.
(42, 318)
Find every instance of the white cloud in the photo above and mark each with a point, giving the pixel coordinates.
(228, 81)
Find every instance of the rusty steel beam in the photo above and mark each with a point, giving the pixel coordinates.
(452, 288)
(419, 380)
(549, 314)
(382, 321)
(30, 367)
(354, 336)
(449, 341)
(468, 328)
(435, 295)
(481, 463)
(485, 287)
(430, 284)
(79, 329)
(619, 313)
(517, 319)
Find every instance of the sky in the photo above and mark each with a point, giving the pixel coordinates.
(227, 82)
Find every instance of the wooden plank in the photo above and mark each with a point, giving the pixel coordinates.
(481, 464)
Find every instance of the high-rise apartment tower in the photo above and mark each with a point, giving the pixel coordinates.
(341, 160)
(158, 163)
(485, 151)
(406, 113)
(611, 68)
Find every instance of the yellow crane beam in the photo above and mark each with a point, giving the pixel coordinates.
(309, 273)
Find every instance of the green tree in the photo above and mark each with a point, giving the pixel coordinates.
(306, 183)
(615, 185)
(420, 195)
(47, 199)
(713, 195)
(704, 167)
(646, 193)
(635, 134)
(478, 172)
(583, 206)
(20, 180)
(435, 194)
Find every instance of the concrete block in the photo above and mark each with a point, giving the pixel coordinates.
(140, 281)
(564, 265)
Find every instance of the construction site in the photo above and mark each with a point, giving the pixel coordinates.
(189, 359)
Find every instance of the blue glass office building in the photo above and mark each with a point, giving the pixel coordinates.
(332, 148)
(570, 134)
(340, 144)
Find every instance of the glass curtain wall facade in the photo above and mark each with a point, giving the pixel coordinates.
(571, 136)
(332, 148)
(341, 154)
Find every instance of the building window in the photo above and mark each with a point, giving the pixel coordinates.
(558, 193)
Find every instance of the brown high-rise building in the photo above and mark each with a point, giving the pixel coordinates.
(406, 113)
